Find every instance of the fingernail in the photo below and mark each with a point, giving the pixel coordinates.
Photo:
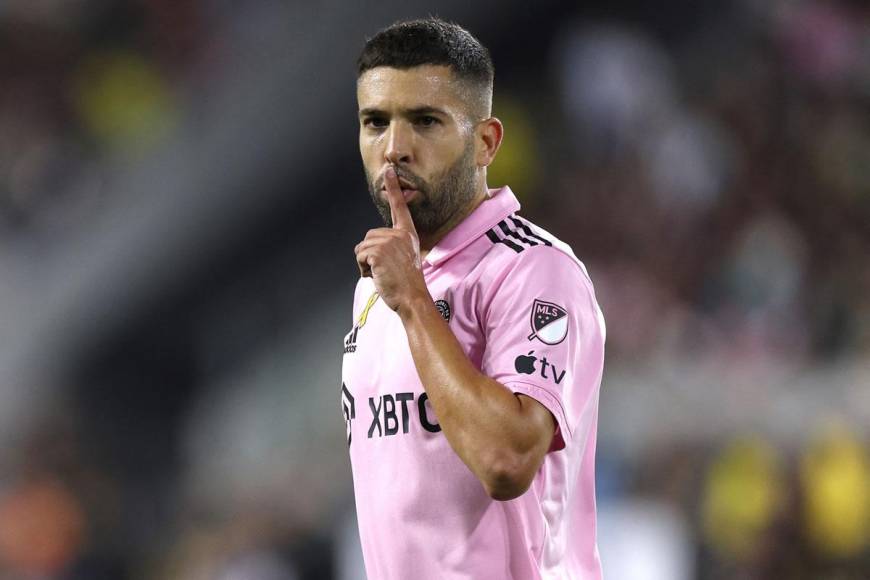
(391, 170)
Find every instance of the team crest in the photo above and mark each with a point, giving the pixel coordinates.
(549, 322)
(444, 309)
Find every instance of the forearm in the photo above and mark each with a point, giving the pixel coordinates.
(482, 420)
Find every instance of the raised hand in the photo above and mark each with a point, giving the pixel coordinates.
(391, 256)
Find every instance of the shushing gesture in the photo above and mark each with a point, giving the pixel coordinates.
(391, 256)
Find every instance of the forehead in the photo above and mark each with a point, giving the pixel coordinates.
(391, 88)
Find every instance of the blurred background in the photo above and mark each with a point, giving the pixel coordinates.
(180, 194)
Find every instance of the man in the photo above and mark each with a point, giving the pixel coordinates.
(472, 371)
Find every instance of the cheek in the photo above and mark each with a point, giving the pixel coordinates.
(364, 147)
(368, 154)
(371, 146)
(448, 157)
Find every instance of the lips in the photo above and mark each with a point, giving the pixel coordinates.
(408, 194)
(408, 189)
(405, 185)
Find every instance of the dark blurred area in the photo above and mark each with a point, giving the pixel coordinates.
(180, 194)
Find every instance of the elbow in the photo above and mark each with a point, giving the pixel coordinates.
(508, 480)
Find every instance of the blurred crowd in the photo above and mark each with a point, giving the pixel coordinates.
(83, 81)
(719, 190)
(727, 180)
(717, 185)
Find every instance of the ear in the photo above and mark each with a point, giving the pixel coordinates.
(488, 136)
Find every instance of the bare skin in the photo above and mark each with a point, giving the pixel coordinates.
(500, 436)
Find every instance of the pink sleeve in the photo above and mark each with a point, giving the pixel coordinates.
(545, 335)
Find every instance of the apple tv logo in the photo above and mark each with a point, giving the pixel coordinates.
(525, 364)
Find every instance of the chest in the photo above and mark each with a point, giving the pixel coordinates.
(380, 382)
(376, 350)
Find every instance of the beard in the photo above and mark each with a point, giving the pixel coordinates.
(437, 200)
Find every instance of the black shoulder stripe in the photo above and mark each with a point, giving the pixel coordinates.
(514, 234)
(493, 237)
(529, 231)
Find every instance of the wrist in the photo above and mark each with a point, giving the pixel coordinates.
(415, 304)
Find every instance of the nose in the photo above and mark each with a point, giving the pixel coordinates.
(399, 144)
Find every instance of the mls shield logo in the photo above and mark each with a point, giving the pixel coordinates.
(549, 322)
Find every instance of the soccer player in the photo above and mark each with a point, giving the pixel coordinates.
(472, 370)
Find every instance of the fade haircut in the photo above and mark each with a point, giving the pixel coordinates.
(432, 41)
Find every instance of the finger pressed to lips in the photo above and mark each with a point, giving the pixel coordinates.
(404, 182)
(402, 185)
(407, 194)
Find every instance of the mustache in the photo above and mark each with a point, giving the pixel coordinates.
(406, 176)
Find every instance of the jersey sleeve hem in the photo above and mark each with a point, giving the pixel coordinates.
(551, 402)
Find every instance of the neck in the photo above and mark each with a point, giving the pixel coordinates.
(428, 241)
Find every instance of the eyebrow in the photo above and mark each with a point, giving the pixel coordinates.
(415, 112)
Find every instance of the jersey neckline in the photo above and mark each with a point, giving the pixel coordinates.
(499, 204)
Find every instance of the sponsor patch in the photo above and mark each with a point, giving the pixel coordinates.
(525, 364)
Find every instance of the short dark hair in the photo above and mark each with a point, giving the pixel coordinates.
(430, 41)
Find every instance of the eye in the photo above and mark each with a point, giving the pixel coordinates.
(375, 122)
(427, 121)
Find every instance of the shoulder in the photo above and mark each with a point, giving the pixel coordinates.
(537, 274)
(518, 245)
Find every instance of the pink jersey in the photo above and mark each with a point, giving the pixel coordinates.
(524, 310)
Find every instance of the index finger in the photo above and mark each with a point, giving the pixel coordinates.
(399, 211)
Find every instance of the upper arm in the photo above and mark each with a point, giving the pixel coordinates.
(545, 340)
(541, 426)
(512, 476)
